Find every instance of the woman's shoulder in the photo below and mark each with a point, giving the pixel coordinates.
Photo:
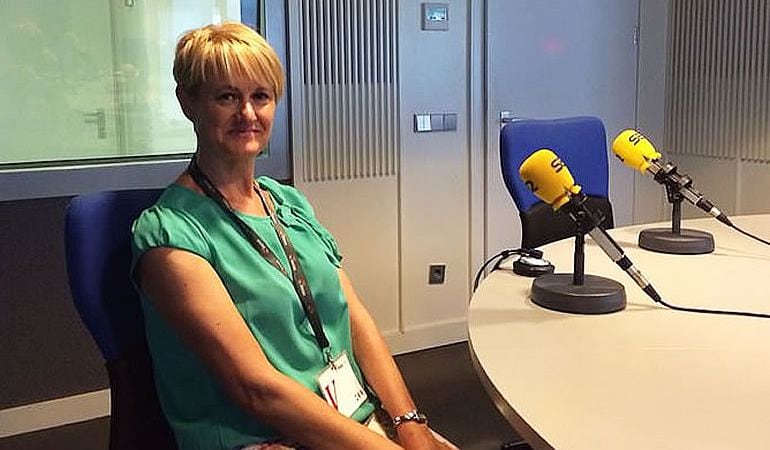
(179, 218)
(176, 203)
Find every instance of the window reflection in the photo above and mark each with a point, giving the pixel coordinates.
(87, 80)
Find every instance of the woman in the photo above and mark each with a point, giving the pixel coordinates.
(257, 336)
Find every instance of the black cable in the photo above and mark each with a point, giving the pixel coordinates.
(496, 266)
(713, 311)
(729, 223)
(746, 233)
(502, 255)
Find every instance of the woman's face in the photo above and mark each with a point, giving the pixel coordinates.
(232, 117)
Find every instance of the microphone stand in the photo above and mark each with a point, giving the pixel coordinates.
(579, 293)
(675, 240)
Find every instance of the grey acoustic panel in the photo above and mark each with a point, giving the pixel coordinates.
(718, 99)
(349, 86)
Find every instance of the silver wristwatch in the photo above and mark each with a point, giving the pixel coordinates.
(410, 416)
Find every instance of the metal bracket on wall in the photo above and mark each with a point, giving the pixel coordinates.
(507, 117)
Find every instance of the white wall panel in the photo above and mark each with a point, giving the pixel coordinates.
(754, 186)
(434, 188)
(363, 215)
(345, 138)
(396, 200)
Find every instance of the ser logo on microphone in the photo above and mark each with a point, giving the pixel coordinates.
(557, 164)
(635, 138)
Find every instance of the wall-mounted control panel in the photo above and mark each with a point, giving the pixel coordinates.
(435, 16)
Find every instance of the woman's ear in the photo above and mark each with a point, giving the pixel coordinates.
(186, 102)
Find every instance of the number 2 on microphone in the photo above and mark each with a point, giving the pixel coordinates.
(531, 185)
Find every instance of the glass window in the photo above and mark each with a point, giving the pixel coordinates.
(90, 81)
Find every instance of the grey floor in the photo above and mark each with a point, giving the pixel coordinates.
(442, 381)
(445, 386)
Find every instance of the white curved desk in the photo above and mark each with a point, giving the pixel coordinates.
(646, 377)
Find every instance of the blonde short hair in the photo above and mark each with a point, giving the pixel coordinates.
(222, 51)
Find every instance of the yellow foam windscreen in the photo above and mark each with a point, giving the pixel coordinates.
(634, 150)
(548, 178)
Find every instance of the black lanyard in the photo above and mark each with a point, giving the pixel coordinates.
(297, 276)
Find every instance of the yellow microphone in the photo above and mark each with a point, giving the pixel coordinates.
(637, 152)
(546, 175)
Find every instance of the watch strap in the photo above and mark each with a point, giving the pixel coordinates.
(410, 416)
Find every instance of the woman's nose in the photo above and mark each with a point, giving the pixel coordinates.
(248, 109)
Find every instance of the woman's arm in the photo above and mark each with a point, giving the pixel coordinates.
(190, 295)
(381, 372)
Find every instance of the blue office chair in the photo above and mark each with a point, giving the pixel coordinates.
(581, 142)
(98, 254)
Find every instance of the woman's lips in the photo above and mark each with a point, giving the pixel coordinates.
(245, 131)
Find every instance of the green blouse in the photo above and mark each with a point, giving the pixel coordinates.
(199, 411)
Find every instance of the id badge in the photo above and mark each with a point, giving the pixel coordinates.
(340, 387)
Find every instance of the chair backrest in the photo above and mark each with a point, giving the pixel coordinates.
(98, 254)
(581, 142)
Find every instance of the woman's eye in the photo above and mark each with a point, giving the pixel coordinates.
(261, 97)
(227, 97)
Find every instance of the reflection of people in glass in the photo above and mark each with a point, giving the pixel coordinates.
(234, 271)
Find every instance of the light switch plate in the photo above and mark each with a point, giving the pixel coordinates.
(437, 122)
(422, 123)
(450, 122)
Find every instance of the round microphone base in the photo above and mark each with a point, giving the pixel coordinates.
(597, 295)
(688, 242)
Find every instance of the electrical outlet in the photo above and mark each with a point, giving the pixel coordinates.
(436, 273)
